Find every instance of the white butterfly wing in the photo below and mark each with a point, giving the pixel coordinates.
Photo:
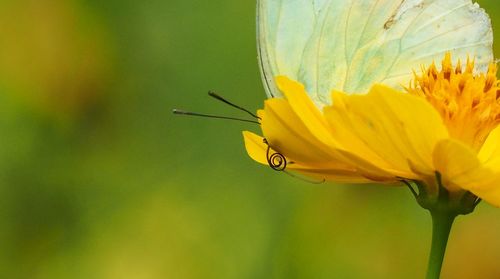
(349, 45)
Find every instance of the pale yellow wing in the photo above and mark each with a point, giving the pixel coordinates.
(349, 45)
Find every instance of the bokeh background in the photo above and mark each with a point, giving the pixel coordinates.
(99, 180)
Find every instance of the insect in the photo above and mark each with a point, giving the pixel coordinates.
(349, 45)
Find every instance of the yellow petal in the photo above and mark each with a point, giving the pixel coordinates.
(460, 168)
(393, 130)
(255, 146)
(412, 127)
(455, 162)
(345, 134)
(286, 133)
(314, 122)
(305, 109)
(257, 150)
(489, 154)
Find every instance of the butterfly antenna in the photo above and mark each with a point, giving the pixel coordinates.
(218, 97)
(182, 112)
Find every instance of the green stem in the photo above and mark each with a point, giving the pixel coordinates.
(442, 220)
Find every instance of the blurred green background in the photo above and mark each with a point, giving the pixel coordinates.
(99, 180)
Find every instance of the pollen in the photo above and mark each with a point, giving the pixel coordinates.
(468, 103)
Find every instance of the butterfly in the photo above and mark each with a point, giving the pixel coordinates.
(349, 45)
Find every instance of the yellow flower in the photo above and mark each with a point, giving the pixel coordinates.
(443, 132)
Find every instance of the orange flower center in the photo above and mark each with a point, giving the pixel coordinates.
(469, 103)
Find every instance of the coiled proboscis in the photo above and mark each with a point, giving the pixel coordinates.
(275, 160)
